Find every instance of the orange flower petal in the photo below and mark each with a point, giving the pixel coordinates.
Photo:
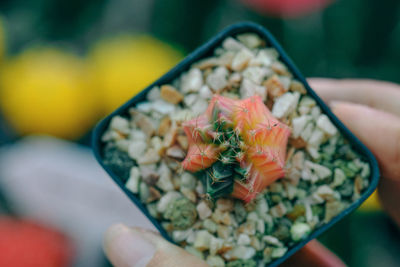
(200, 156)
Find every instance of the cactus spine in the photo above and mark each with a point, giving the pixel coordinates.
(237, 147)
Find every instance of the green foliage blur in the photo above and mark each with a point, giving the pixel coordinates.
(348, 39)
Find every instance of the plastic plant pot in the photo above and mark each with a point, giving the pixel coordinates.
(204, 51)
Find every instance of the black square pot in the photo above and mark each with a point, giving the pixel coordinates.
(204, 51)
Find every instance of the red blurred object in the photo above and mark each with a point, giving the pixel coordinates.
(287, 8)
(27, 244)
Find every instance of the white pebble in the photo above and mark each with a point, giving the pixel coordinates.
(192, 81)
(165, 181)
(120, 124)
(272, 240)
(338, 177)
(255, 74)
(299, 123)
(240, 252)
(260, 226)
(285, 81)
(137, 135)
(251, 40)
(249, 88)
(324, 123)
(315, 112)
(313, 152)
(241, 59)
(203, 210)
(203, 239)
(166, 199)
(154, 94)
(264, 57)
(285, 104)
(232, 44)
(298, 160)
(299, 230)
(316, 138)
(133, 182)
(181, 235)
(136, 149)
(326, 193)
(321, 171)
(163, 107)
(199, 106)
(243, 240)
(188, 180)
(215, 245)
(190, 99)
(145, 107)
(205, 92)
(278, 210)
(215, 261)
(217, 80)
(278, 252)
(262, 207)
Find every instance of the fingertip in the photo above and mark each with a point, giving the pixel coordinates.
(112, 233)
(126, 246)
(347, 111)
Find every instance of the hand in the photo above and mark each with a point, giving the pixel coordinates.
(371, 110)
(374, 117)
(128, 247)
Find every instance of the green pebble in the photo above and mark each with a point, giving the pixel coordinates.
(182, 213)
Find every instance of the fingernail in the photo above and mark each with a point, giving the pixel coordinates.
(128, 247)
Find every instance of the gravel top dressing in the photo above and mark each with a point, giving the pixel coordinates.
(234, 159)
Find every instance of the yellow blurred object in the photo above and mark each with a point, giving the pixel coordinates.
(45, 91)
(372, 203)
(124, 65)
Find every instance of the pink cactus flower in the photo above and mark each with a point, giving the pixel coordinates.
(238, 143)
(287, 8)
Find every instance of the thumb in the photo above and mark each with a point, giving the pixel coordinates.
(135, 247)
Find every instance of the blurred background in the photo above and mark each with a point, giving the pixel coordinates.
(66, 64)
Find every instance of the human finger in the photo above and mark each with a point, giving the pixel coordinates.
(377, 94)
(135, 247)
(314, 254)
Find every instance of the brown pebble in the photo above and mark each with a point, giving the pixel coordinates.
(164, 127)
(154, 194)
(225, 204)
(143, 122)
(190, 194)
(297, 142)
(170, 137)
(280, 69)
(170, 94)
(176, 152)
(274, 87)
(225, 248)
(296, 86)
(183, 141)
(151, 156)
(149, 175)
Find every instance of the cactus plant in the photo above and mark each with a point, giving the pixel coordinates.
(237, 147)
